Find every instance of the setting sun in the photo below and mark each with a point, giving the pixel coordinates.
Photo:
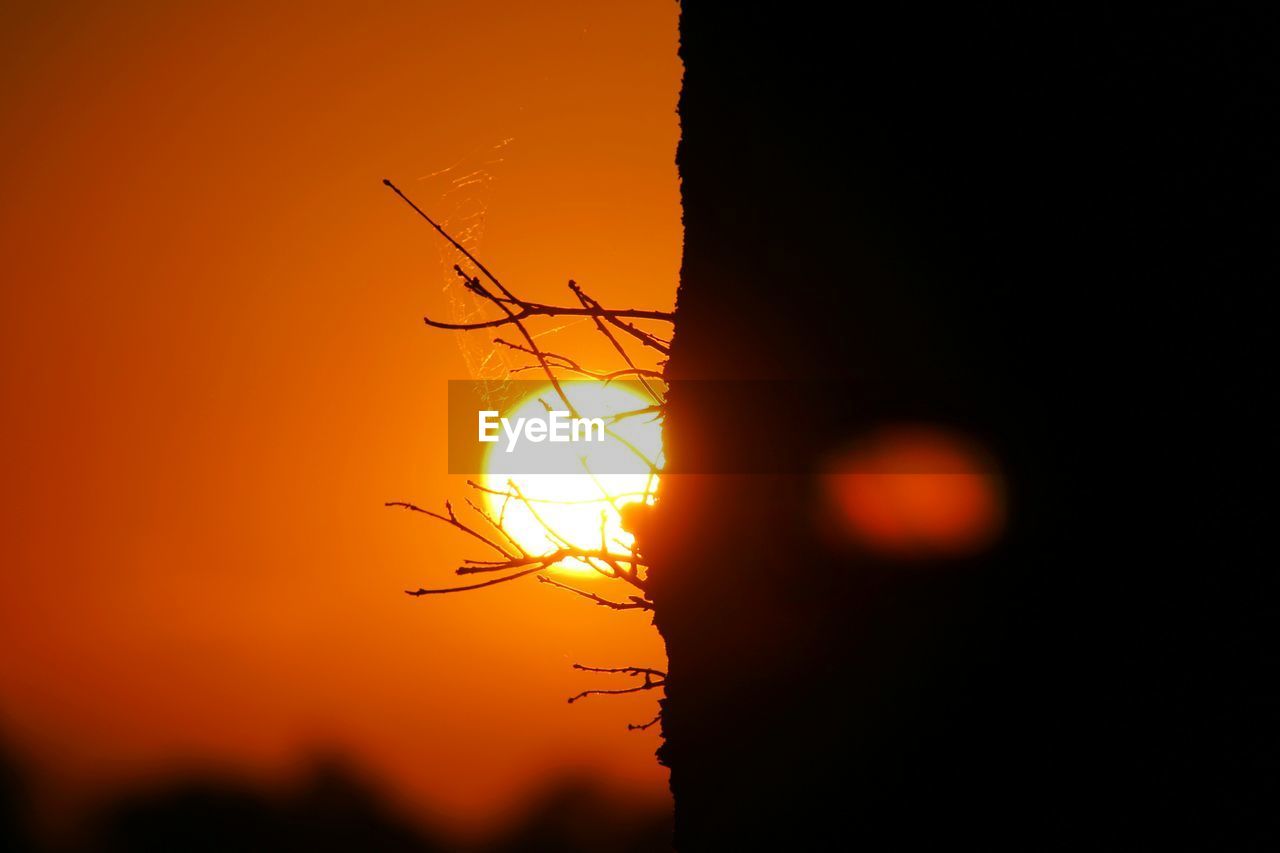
(550, 495)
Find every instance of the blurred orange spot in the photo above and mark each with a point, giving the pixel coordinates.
(915, 492)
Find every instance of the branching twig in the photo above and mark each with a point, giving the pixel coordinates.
(635, 603)
(452, 519)
(534, 309)
(639, 727)
(588, 302)
(549, 559)
(473, 284)
(501, 494)
(516, 560)
(494, 582)
(622, 670)
(572, 366)
(652, 678)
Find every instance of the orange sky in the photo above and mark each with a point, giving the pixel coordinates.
(215, 371)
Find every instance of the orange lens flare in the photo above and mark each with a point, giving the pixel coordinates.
(915, 492)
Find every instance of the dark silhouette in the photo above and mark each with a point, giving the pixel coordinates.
(15, 834)
(1040, 225)
(575, 815)
(331, 808)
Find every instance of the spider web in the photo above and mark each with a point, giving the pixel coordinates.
(463, 193)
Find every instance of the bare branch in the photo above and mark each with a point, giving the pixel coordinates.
(573, 366)
(497, 524)
(537, 516)
(517, 561)
(588, 302)
(639, 727)
(639, 688)
(652, 678)
(534, 309)
(622, 670)
(610, 499)
(614, 562)
(474, 285)
(494, 582)
(605, 377)
(585, 693)
(446, 235)
(635, 603)
(551, 558)
(635, 413)
(452, 519)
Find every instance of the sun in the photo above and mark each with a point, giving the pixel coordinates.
(571, 492)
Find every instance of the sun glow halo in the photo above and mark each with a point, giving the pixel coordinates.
(582, 479)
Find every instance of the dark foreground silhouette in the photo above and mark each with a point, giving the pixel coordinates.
(1046, 226)
(331, 809)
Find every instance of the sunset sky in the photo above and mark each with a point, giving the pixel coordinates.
(215, 372)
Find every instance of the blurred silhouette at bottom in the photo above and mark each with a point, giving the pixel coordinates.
(13, 836)
(332, 808)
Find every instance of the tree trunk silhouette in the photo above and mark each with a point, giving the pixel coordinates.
(1025, 223)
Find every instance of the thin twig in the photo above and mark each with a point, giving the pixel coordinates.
(495, 581)
(534, 309)
(622, 670)
(639, 727)
(652, 678)
(501, 494)
(573, 366)
(516, 559)
(636, 602)
(452, 519)
(474, 285)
